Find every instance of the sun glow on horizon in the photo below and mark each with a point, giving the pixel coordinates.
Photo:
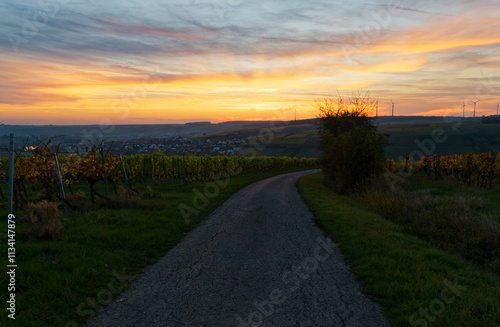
(141, 67)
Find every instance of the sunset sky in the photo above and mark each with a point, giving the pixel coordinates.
(123, 62)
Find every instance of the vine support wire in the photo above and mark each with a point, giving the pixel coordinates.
(61, 184)
(10, 191)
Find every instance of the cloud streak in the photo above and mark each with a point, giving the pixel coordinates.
(233, 56)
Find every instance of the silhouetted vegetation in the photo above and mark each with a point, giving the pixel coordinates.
(491, 120)
(352, 149)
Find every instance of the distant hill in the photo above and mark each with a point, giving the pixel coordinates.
(460, 137)
(187, 130)
(385, 120)
(495, 119)
(130, 131)
(292, 138)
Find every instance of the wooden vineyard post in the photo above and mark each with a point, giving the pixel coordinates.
(429, 166)
(492, 170)
(58, 172)
(184, 166)
(10, 191)
(173, 169)
(104, 170)
(406, 164)
(154, 168)
(197, 170)
(124, 172)
(200, 167)
(437, 172)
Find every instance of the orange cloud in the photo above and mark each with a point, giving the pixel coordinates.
(224, 84)
(431, 46)
(443, 34)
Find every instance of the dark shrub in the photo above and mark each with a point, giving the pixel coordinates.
(353, 150)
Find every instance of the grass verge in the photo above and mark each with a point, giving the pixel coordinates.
(416, 284)
(64, 281)
(457, 218)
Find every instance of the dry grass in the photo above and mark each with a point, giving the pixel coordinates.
(453, 223)
(149, 193)
(126, 198)
(42, 195)
(78, 198)
(43, 219)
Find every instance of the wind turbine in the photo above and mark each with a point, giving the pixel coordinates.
(392, 108)
(376, 109)
(475, 106)
(463, 110)
(497, 108)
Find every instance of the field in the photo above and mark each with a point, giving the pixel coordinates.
(460, 138)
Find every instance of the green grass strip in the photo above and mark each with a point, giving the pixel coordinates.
(415, 283)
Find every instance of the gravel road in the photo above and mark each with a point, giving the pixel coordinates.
(258, 260)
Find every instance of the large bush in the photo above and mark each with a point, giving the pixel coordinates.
(353, 150)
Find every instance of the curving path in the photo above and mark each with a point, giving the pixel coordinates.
(258, 260)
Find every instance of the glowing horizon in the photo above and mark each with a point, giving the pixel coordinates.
(82, 62)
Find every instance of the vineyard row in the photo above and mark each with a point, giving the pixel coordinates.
(473, 169)
(38, 169)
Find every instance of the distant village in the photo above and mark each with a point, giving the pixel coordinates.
(181, 145)
(172, 146)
